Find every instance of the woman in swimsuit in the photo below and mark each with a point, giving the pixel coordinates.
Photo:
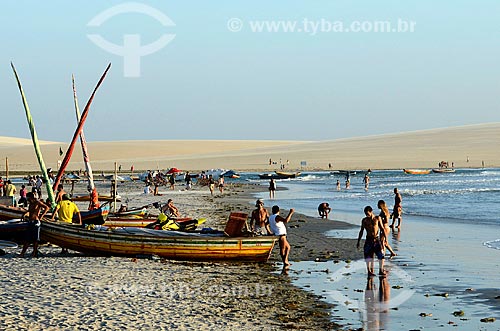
(384, 215)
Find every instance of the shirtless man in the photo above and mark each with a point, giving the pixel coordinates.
(36, 211)
(260, 215)
(398, 209)
(169, 208)
(366, 181)
(60, 193)
(373, 226)
(324, 209)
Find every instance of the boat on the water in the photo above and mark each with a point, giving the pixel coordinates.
(167, 244)
(443, 170)
(230, 174)
(279, 175)
(417, 171)
(11, 212)
(343, 172)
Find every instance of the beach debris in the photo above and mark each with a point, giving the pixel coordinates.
(358, 290)
(488, 320)
(458, 313)
(425, 314)
(451, 322)
(397, 287)
(444, 295)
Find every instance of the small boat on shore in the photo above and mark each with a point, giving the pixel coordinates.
(417, 171)
(86, 197)
(13, 230)
(11, 212)
(167, 244)
(96, 216)
(443, 170)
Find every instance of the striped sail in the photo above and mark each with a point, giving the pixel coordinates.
(79, 128)
(83, 142)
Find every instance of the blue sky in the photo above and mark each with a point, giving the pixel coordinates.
(212, 83)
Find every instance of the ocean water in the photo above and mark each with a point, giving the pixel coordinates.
(449, 243)
(468, 195)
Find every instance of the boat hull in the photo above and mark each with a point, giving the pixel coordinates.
(443, 171)
(97, 216)
(134, 242)
(279, 175)
(9, 213)
(416, 171)
(14, 231)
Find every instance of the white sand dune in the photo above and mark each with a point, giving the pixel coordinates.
(419, 149)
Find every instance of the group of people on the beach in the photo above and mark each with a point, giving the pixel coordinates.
(376, 226)
(377, 230)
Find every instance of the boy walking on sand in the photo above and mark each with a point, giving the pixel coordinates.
(373, 226)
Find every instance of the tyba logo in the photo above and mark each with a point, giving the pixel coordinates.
(131, 50)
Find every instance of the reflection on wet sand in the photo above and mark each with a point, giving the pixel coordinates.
(396, 238)
(376, 302)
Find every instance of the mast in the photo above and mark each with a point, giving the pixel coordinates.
(34, 138)
(83, 142)
(78, 130)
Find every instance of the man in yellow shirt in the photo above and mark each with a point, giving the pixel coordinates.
(66, 209)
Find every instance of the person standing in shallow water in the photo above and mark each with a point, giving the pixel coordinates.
(272, 188)
(278, 228)
(398, 209)
(384, 216)
(374, 228)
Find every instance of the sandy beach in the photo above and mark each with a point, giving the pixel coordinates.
(466, 146)
(74, 291)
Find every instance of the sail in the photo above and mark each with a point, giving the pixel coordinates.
(83, 142)
(78, 130)
(34, 138)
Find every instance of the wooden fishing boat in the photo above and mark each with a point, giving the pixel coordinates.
(136, 221)
(343, 172)
(128, 221)
(11, 212)
(280, 175)
(96, 216)
(168, 244)
(285, 175)
(417, 171)
(443, 170)
(13, 230)
(86, 197)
